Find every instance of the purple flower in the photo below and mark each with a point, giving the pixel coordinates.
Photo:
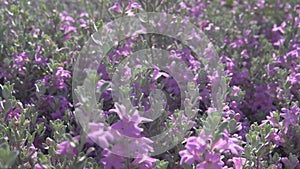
(116, 8)
(67, 37)
(157, 73)
(228, 143)
(288, 163)
(194, 147)
(121, 51)
(128, 128)
(61, 76)
(32, 153)
(263, 99)
(133, 5)
(112, 161)
(294, 78)
(84, 23)
(39, 59)
(65, 148)
(102, 72)
(65, 17)
(38, 166)
(276, 138)
(134, 144)
(197, 9)
(227, 113)
(144, 163)
(127, 115)
(172, 86)
(271, 119)
(20, 60)
(237, 44)
(128, 125)
(66, 25)
(236, 90)
(13, 113)
(238, 162)
(62, 104)
(212, 161)
(62, 73)
(290, 116)
(68, 28)
(279, 28)
(132, 147)
(54, 106)
(106, 95)
(83, 14)
(100, 134)
(230, 64)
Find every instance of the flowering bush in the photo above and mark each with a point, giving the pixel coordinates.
(259, 47)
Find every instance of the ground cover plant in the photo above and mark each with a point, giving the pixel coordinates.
(251, 120)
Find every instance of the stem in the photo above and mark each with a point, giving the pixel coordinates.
(257, 162)
(80, 148)
(127, 164)
(64, 164)
(18, 146)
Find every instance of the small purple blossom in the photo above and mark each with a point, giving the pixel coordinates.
(290, 116)
(111, 160)
(212, 161)
(100, 134)
(116, 8)
(20, 61)
(194, 147)
(61, 76)
(229, 143)
(238, 162)
(65, 148)
(13, 114)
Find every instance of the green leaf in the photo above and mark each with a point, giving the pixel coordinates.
(90, 150)
(261, 150)
(186, 166)
(222, 126)
(6, 93)
(247, 152)
(104, 86)
(40, 128)
(44, 7)
(5, 147)
(161, 164)
(11, 158)
(7, 157)
(79, 165)
(232, 126)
